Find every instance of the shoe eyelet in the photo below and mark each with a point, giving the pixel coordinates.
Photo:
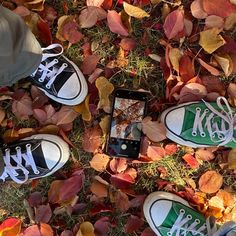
(7, 149)
(206, 110)
(48, 87)
(220, 137)
(197, 221)
(203, 134)
(189, 217)
(65, 65)
(28, 145)
(198, 109)
(169, 233)
(18, 148)
(40, 80)
(56, 61)
(182, 211)
(37, 172)
(194, 133)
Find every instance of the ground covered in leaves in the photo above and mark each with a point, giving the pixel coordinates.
(179, 51)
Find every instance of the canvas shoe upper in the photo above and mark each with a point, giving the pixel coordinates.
(201, 124)
(59, 78)
(169, 215)
(33, 157)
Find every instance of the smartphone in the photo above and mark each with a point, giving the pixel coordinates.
(128, 110)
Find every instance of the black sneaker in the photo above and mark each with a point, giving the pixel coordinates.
(34, 157)
(59, 78)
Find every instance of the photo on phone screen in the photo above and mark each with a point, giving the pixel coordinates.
(125, 129)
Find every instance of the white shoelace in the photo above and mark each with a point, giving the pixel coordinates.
(183, 225)
(11, 171)
(48, 70)
(224, 135)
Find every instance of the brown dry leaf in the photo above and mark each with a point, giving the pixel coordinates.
(225, 62)
(10, 135)
(230, 21)
(232, 159)
(210, 40)
(99, 189)
(105, 88)
(2, 115)
(204, 154)
(83, 109)
(228, 198)
(86, 229)
(231, 90)
(175, 56)
(134, 11)
(154, 130)
(210, 182)
(104, 124)
(99, 162)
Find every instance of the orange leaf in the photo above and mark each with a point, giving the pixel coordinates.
(210, 182)
(10, 227)
(99, 189)
(192, 162)
(99, 162)
(155, 153)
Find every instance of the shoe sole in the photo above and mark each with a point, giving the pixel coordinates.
(63, 146)
(153, 197)
(174, 137)
(82, 95)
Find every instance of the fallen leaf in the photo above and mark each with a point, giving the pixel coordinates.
(95, 3)
(118, 165)
(2, 115)
(11, 226)
(230, 21)
(43, 214)
(115, 24)
(54, 191)
(171, 148)
(210, 182)
(91, 139)
(133, 224)
(225, 62)
(197, 9)
(192, 92)
(186, 68)
(211, 40)
(67, 233)
(134, 11)
(39, 98)
(96, 73)
(223, 8)
(175, 56)
(99, 162)
(104, 124)
(209, 68)
(228, 197)
(128, 44)
(191, 161)
(39, 230)
(107, 4)
(60, 24)
(102, 226)
(155, 153)
(121, 200)
(66, 115)
(231, 90)
(86, 229)
(105, 88)
(99, 189)
(232, 159)
(70, 32)
(214, 22)
(148, 232)
(89, 64)
(83, 109)
(122, 181)
(213, 84)
(204, 154)
(35, 199)
(44, 32)
(154, 130)
(174, 24)
(34, 5)
(22, 11)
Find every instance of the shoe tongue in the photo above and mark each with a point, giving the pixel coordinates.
(38, 156)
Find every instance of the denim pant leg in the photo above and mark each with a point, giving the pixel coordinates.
(227, 229)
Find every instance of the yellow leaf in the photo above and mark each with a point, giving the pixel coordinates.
(99, 162)
(225, 62)
(232, 159)
(230, 21)
(210, 40)
(35, 5)
(104, 124)
(134, 11)
(86, 229)
(175, 55)
(105, 88)
(83, 109)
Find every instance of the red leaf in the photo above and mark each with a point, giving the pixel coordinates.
(54, 191)
(11, 226)
(115, 24)
(209, 68)
(155, 153)
(43, 214)
(44, 32)
(121, 201)
(89, 64)
(171, 148)
(191, 161)
(22, 11)
(95, 75)
(137, 201)
(67, 233)
(128, 44)
(39, 98)
(107, 4)
(66, 115)
(133, 224)
(102, 226)
(223, 8)
(40, 115)
(213, 84)
(148, 232)
(35, 199)
(118, 165)
(99, 208)
(122, 181)
(36, 230)
(186, 68)
(70, 32)
(92, 139)
(174, 24)
(49, 14)
(71, 187)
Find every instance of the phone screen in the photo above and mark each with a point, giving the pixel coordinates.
(126, 119)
